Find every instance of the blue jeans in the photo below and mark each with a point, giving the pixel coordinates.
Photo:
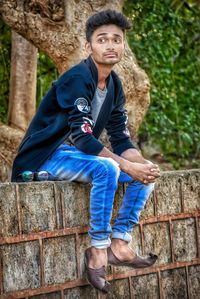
(70, 164)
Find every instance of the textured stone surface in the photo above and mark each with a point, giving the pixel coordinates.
(135, 244)
(145, 286)
(191, 191)
(168, 194)
(76, 202)
(59, 260)
(38, 207)
(194, 280)
(8, 211)
(85, 292)
(157, 241)
(119, 289)
(148, 210)
(21, 266)
(184, 239)
(174, 284)
(55, 295)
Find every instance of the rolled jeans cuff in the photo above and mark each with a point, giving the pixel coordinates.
(101, 244)
(123, 236)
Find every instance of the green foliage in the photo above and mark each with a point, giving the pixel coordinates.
(46, 74)
(165, 39)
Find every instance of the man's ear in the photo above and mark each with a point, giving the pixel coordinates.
(88, 48)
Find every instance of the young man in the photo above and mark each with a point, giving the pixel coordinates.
(62, 143)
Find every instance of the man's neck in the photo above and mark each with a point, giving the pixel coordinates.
(103, 72)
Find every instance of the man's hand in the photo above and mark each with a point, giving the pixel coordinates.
(133, 155)
(132, 163)
(144, 173)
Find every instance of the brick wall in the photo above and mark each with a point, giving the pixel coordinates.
(43, 235)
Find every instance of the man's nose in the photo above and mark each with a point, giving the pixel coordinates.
(110, 45)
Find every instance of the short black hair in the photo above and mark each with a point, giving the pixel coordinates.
(106, 17)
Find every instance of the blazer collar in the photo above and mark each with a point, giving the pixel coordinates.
(93, 69)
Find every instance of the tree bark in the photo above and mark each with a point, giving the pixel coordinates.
(57, 28)
(9, 142)
(22, 100)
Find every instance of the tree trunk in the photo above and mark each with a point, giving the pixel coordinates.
(57, 28)
(22, 101)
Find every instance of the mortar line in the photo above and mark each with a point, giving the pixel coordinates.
(77, 255)
(187, 282)
(84, 229)
(155, 201)
(171, 240)
(56, 205)
(42, 262)
(19, 209)
(197, 237)
(160, 285)
(167, 217)
(142, 237)
(63, 209)
(181, 196)
(130, 287)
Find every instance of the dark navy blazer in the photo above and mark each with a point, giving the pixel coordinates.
(65, 110)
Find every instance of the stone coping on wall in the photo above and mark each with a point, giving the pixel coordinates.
(43, 235)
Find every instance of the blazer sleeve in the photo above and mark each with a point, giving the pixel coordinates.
(117, 128)
(74, 96)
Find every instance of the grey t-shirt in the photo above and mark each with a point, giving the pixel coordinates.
(97, 102)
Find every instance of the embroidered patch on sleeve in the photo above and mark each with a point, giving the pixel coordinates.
(87, 126)
(126, 117)
(126, 132)
(82, 105)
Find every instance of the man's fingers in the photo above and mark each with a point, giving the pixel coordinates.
(145, 182)
(154, 174)
(149, 179)
(154, 169)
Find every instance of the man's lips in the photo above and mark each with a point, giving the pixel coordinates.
(111, 54)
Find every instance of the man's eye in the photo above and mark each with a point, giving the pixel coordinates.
(117, 40)
(101, 40)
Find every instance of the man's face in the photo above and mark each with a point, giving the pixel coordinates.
(107, 45)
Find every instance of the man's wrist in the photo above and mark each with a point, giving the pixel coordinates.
(133, 155)
(124, 165)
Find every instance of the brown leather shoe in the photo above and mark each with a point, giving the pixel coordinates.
(96, 277)
(138, 262)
